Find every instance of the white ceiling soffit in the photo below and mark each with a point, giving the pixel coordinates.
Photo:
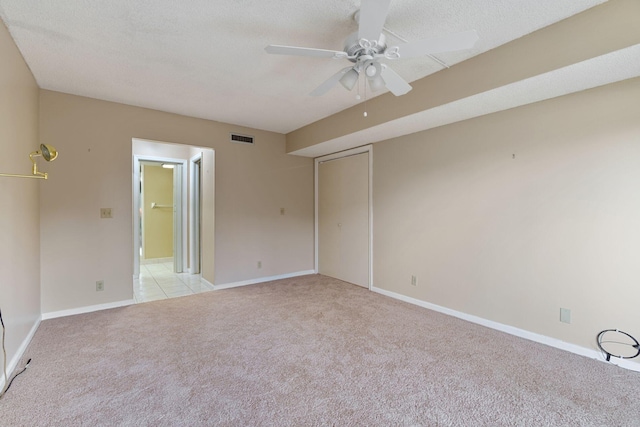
(610, 68)
(206, 59)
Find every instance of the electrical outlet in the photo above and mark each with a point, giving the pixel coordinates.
(106, 213)
(414, 281)
(100, 285)
(259, 264)
(565, 315)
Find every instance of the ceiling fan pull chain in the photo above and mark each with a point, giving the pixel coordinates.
(365, 98)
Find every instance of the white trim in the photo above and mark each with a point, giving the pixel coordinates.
(352, 152)
(621, 363)
(87, 309)
(370, 216)
(135, 213)
(207, 283)
(261, 280)
(13, 363)
(194, 213)
(137, 158)
(511, 330)
(179, 217)
(151, 261)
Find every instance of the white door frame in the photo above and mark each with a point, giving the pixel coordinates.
(179, 218)
(195, 186)
(334, 156)
(182, 244)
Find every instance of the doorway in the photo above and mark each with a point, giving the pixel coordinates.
(194, 220)
(159, 206)
(344, 216)
(157, 219)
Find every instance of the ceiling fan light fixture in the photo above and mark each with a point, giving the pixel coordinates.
(376, 83)
(349, 79)
(373, 70)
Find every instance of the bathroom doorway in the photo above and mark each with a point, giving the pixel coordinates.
(160, 212)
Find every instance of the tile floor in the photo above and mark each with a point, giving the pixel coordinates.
(158, 281)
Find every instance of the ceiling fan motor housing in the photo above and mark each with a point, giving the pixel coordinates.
(354, 48)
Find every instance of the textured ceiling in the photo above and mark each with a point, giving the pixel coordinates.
(206, 58)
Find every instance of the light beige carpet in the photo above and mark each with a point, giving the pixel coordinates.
(304, 352)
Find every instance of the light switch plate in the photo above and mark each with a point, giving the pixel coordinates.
(106, 213)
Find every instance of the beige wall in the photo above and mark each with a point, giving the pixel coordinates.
(510, 239)
(208, 214)
(95, 170)
(157, 223)
(19, 212)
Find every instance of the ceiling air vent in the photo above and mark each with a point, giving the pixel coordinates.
(242, 139)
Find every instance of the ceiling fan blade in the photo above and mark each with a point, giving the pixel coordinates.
(304, 51)
(373, 13)
(330, 83)
(392, 80)
(448, 43)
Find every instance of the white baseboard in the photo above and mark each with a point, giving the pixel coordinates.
(206, 282)
(531, 336)
(13, 363)
(87, 309)
(155, 261)
(262, 280)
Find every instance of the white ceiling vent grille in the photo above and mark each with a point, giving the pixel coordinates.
(241, 139)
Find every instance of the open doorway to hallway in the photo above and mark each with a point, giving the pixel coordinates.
(172, 197)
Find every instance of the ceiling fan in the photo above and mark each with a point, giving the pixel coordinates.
(367, 47)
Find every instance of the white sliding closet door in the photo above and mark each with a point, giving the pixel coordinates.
(343, 219)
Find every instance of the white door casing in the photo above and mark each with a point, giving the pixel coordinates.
(179, 245)
(180, 206)
(195, 183)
